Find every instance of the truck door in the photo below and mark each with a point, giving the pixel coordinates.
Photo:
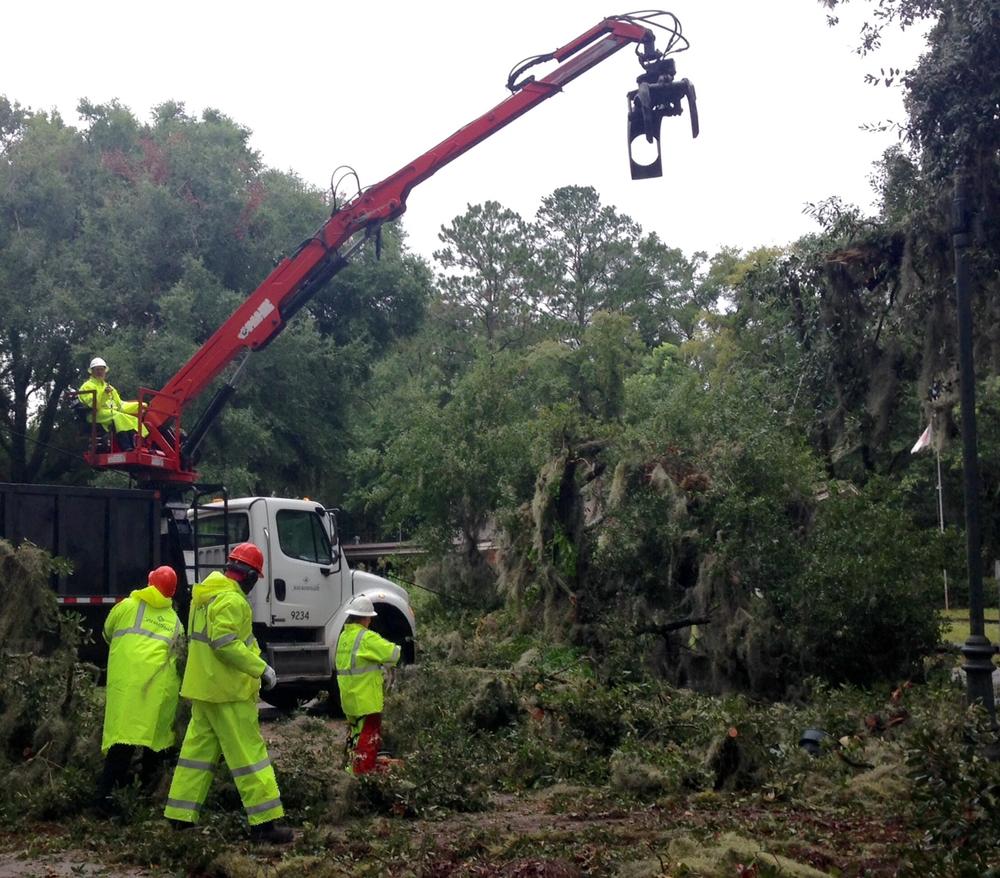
(305, 579)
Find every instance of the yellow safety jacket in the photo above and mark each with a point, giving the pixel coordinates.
(108, 407)
(144, 634)
(361, 655)
(224, 662)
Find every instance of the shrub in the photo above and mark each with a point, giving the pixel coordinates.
(863, 607)
(50, 710)
(956, 795)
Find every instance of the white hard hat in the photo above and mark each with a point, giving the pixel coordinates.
(96, 362)
(359, 605)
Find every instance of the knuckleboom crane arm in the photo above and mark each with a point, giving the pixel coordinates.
(160, 458)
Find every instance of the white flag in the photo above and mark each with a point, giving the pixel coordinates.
(923, 442)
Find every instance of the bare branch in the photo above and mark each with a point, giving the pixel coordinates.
(667, 627)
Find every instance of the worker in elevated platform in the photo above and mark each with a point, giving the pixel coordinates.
(106, 405)
(144, 637)
(223, 678)
(361, 657)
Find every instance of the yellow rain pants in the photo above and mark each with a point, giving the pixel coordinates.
(230, 729)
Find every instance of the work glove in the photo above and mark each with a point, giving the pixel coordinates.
(269, 679)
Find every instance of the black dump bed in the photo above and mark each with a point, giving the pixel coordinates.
(111, 535)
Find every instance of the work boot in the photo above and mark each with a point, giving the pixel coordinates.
(271, 833)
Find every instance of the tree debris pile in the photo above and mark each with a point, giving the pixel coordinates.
(517, 754)
(730, 564)
(466, 734)
(546, 719)
(49, 705)
(707, 783)
(311, 755)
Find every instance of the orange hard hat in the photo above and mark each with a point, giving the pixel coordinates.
(165, 580)
(248, 554)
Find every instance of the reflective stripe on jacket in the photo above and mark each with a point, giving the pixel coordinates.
(224, 662)
(361, 655)
(143, 633)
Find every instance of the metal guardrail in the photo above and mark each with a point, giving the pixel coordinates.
(374, 551)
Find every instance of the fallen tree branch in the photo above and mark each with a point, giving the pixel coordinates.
(665, 628)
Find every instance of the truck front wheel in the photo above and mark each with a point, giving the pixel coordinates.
(283, 699)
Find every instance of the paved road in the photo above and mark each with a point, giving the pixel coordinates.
(61, 866)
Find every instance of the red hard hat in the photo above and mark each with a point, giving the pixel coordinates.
(165, 580)
(250, 555)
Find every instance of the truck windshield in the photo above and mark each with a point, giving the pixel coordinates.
(302, 536)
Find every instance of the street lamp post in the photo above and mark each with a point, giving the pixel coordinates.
(978, 650)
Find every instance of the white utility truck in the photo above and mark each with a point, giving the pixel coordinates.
(299, 602)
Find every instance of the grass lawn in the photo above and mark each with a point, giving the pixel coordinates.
(956, 628)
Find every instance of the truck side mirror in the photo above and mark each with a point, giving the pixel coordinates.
(334, 529)
(334, 539)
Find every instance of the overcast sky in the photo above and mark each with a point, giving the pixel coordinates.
(781, 98)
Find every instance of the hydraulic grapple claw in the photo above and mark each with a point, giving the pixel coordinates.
(656, 96)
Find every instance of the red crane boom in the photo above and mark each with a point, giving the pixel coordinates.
(162, 458)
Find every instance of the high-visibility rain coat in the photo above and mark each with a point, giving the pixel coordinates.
(222, 679)
(361, 656)
(109, 410)
(144, 636)
(224, 662)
